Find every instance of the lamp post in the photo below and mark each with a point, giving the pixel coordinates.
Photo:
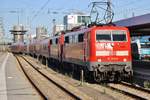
(16, 12)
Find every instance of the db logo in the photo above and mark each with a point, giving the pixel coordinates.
(104, 46)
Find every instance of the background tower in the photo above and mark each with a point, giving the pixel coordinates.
(18, 31)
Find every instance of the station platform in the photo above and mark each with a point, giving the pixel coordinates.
(13, 83)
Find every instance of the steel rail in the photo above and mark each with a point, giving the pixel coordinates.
(32, 83)
(64, 89)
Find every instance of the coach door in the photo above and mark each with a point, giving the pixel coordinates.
(49, 47)
(61, 49)
(86, 46)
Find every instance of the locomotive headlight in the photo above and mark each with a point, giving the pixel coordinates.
(102, 68)
(124, 59)
(99, 60)
(127, 68)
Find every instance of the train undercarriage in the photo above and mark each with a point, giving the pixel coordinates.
(111, 74)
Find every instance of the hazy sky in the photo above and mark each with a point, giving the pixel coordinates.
(42, 12)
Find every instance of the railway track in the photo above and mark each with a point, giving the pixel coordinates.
(30, 80)
(128, 90)
(46, 86)
(131, 90)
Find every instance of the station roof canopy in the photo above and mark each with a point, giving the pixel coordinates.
(138, 26)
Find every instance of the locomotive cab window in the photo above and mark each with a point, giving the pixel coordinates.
(103, 36)
(111, 35)
(119, 35)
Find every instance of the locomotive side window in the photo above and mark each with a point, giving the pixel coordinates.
(80, 37)
(67, 39)
(119, 35)
(103, 36)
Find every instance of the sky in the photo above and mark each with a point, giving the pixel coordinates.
(33, 13)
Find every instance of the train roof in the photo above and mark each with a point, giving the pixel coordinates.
(106, 27)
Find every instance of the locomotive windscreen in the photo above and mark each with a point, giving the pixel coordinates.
(103, 36)
(117, 35)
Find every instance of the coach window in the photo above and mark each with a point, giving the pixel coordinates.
(67, 39)
(73, 39)
(70, 39)
(53, 41)
(50, 41)
(76, 38)
(44, 47)
(56, 41)
(80, 38)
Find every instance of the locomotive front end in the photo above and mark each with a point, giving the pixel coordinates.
(111, 55)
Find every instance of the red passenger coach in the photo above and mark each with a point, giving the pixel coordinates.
(103, 51)
(44, 48)
(17, 48)
(32, 48)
